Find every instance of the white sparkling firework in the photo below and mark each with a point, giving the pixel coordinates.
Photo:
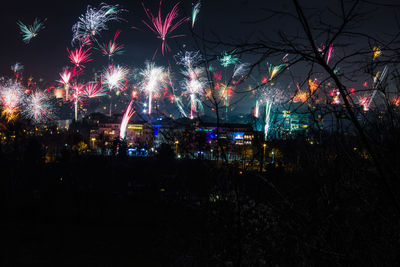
(193, 85)
(153, 78)
(94, 21)
(115, 77)
(37, 107)
(17, 67)
(241, 69)
(270, 96)
(189, 59)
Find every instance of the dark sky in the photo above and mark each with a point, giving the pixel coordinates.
(46, 55)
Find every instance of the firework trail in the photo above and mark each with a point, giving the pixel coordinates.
(125, 120)
(176, 99)
(270, 96)
(329, 53)
(37, 107)
(112, 48)
(152, 79)
(30, 31)
(94, 90)
(273, 70)
(11, 97)
(377, 80)
(78, 93)
(163, 27)
(195, 12)
(257, 110)
(94, 21)
(268, 106)
(79, 56)
(312, 85)
(241, 69)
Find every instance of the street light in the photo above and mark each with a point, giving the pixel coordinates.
(176, 148)
(93, 140)
(265, 147)
(263, 157)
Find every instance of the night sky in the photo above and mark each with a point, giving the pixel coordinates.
(46, 55)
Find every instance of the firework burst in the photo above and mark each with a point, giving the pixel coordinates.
(30, 31)
(312, 85)
(376, 52)
(11, 97)
(188, 59)
(115, 77)
(112, 48)
(17, 67)
(364, 101)
(227, 59)
(164, 27)
(94, 21)
(65, 76)
(396, 101)
(37, 107)
(79, 56)
(273, 70)
(94, 90)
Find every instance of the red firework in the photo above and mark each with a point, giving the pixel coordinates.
(164, 27)
(79, 56)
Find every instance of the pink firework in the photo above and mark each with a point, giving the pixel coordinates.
(396, 101)
(93, 90)
(164, 27)
(112, 48)
(335, 96)
(78, 92)
(65, 76)
(79, 56)
(328, 57)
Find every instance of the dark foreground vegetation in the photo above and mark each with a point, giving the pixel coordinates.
(320, 210)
